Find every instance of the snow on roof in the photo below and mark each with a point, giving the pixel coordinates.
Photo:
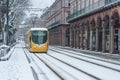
(38, 29)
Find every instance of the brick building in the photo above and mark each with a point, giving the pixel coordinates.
(95, 25)
(85, 24)
(54, 19)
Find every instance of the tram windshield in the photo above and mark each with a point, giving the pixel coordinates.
(39, 37)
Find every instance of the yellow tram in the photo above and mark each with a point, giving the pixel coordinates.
(37, 39)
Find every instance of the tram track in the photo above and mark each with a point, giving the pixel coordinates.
(50, 68)
(61, 76)
(117, 70)
(31, 59)
(61, 72)
(68, 65)
(87, 56)
(39, 72)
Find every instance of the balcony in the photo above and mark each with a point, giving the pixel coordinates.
(91, 8)
(53, 24)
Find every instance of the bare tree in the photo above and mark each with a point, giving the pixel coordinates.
(13, 17)
(17, 10)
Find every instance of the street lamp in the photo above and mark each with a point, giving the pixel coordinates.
(34, 17)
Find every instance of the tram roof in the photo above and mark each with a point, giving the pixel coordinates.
(38, 29)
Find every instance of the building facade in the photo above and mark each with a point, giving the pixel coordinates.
(54, 19)
(95, 25)
(85, 24)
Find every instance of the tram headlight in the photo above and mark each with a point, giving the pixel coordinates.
(34, 46)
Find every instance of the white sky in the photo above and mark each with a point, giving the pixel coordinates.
(40, 4)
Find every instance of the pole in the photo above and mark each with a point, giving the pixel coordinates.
(34, 17)
(7, 12)
(7, 21)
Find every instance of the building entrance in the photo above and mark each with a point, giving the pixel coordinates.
(67, 40)
(100, 40)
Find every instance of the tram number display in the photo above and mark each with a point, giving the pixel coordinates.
(40, 33)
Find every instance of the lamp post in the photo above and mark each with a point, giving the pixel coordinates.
(34, 17)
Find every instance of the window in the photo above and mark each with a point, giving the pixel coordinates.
(67, 3)
(83, 4)
(39, 37)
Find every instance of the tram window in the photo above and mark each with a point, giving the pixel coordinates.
(39, 37)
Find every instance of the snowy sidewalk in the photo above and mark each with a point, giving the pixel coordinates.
(17, 67)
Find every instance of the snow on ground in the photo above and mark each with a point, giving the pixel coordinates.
(16, 68)
(101, 72)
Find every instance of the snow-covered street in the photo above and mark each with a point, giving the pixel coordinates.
(59, 39)
(57, 64)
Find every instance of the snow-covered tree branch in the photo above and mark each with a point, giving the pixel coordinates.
(17, 12)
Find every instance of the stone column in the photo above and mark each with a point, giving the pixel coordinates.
(85, 40)
(103, 36)
(63, 35)
(82, 39)
(112, 36)
(97, 39)
(74, 37)
(77, 38)
(71, 37)
(91, 39)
